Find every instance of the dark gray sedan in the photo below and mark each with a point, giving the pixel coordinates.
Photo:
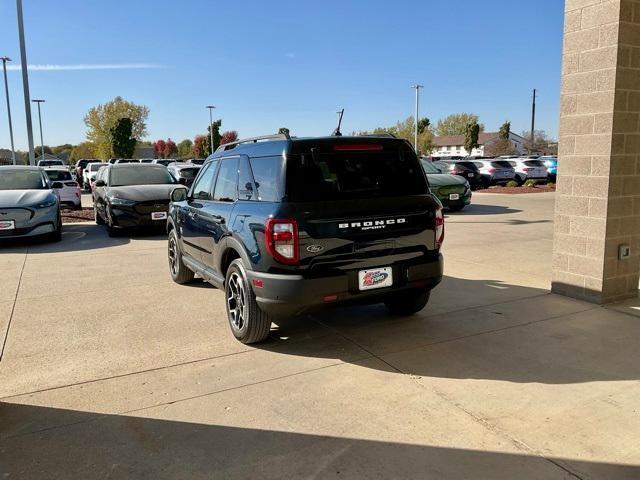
(29, 205)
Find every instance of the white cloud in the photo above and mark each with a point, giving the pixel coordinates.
(87, 66)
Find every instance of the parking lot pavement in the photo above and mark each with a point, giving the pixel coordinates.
(111, 370)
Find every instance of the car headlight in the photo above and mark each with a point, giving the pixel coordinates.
(49, 202)
(122, 202)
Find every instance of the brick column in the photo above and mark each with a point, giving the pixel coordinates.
(598, 191)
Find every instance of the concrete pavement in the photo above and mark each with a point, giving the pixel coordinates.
(111, 370)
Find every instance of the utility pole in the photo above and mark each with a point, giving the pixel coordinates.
(211, 107)
(25, 82)
(417, 87)
(533, 121)
(6, 91)
(40, 121)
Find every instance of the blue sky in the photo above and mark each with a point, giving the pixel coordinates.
(287, 63)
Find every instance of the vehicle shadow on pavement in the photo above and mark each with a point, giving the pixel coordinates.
(78, 237)
(479, 209)
(91, 445)
(482, 329)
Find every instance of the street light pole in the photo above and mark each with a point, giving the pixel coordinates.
(25, 82)
(40, 121)
(6, 91)
(533, 121)
(211, 107)
(417, 87)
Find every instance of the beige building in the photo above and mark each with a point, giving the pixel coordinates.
(597, 219)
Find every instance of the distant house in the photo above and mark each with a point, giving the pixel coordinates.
(144, 151)
(453, 146)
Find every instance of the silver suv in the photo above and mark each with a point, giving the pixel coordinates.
(529, 169)
(495, 171)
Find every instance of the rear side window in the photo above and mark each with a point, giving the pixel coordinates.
(267, 173)
(226, 182)
(501, 164)
(343, 172)
(534, 163)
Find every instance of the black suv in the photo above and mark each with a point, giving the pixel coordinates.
(287, 225)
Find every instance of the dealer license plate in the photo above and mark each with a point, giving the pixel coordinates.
(454, 196)
(375, 278)
(471, 175)
(158, 215)
(7, 224)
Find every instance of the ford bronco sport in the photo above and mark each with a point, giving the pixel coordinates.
(287, 225)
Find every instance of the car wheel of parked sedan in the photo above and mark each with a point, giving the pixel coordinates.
(111, 230)
(179, 272)
(407, 302)
(99, 220)
(248, 323)
(56, 235)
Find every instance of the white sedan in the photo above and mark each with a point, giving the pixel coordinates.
(70, 193)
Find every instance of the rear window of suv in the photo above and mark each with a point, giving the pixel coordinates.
(341, 171)
(501, 164)
(534, 163)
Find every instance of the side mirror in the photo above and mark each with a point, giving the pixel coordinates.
(57, 185)
(179, 195)
(100, 183)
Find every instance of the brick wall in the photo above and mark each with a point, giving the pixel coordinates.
(598, 194)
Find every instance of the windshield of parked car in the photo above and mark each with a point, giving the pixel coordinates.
(429, 167)
(140, 176)
(58, 175)
(94, 167)
(344, 171)
(21, 180)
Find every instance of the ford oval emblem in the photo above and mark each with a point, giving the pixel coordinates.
(315, 248)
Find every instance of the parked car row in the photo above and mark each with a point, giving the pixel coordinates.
(482, 173)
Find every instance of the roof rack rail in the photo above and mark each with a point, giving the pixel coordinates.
(386, 134)
(277, 136)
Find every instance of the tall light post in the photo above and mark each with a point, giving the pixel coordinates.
(6, 91)
(533, 121)
(39, 101)
(211, 107)
(25, 82)
(417, 87)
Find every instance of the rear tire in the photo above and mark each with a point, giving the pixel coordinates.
(248, 323)
(408, 302)
(178, 270)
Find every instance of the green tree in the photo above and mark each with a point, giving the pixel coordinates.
(542, 143)
(456, 124)
(82, 150)
(185, 148)
(283, 131)
(101, 119)
(499, 146)
(471, 136)
(505, 130)
(406, 129)
(122, 142)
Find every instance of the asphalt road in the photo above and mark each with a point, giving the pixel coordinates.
(111, 370)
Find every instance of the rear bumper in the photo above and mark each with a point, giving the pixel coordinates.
(288, 295)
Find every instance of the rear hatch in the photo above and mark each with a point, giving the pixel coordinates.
(502, 169)
(535, 169)
(358, 203)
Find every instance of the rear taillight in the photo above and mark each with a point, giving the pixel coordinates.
(492, 170)
(527, 169)
(439, 228)
(281, 240)
(456, 172)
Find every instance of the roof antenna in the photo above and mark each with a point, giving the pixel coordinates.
(337, 132)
